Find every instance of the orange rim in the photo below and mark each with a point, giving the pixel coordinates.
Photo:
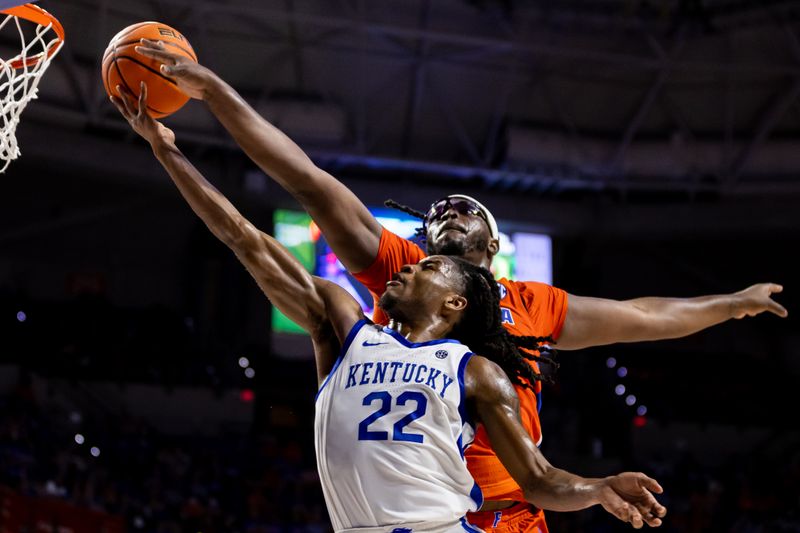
(41, 17)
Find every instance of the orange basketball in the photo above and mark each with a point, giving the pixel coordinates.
(124, 66)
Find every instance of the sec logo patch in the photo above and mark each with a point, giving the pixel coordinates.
(503, 290)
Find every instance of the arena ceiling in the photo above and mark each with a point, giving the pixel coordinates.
(539, 97)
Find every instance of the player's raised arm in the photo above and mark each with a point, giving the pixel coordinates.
(349, 227)
(495, 404)
(318, 306)
(598, 321)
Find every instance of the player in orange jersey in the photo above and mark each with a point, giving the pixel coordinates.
(467, 229)
(528, 308)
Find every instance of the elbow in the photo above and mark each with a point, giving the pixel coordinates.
(531, 496)
(307, 187)
(534, 488)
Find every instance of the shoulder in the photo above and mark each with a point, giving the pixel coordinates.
(534, 292)
(529, 286)
(480, 367)
(392, 241)
(485, 379)
(341, 309)
(393, 252)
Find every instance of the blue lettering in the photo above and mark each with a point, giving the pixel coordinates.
(351, 378)
(507, 317)
(419, 379)
(395, 367)
(365, 373)
(447, 382)
(408, 375)
(380, 372)
(432, 378)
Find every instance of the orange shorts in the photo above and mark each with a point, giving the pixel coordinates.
(521, 518)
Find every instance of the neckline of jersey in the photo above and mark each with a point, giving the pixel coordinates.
(407, 343)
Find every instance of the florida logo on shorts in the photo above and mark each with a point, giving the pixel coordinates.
(441, 354)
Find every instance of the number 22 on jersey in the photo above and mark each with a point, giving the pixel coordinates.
(384, 401)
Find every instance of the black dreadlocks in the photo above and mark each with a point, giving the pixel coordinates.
(419, 233)
(481, 328)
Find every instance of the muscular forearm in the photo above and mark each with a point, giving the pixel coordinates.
(628, 496)
(351, 230)
(558, 490)
(495, 404)
(667, 318)
(279, 275)
(597, 321)
(274, 152)
(221, 217)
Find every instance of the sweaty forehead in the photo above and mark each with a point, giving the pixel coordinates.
(439, 259)
(446, 265)
(452, 272)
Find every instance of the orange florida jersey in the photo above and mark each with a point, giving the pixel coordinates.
(528, 308)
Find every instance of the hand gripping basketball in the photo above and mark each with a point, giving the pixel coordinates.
(136, 115)
(191, 77)
(122, 65)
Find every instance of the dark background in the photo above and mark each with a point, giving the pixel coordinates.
(655, 141)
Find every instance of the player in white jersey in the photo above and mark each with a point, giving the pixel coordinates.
(393, 419)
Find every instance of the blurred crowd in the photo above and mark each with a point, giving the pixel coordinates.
(160, 484)
(745, 495)
(268, 483)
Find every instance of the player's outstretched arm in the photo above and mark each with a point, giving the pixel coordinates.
(320, 307)
(495, 403)
(349, 227)
(597, 321)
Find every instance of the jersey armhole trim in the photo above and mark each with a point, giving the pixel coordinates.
(346, 346)
(462, 404)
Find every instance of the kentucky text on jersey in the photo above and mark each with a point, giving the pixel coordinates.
(398, 371)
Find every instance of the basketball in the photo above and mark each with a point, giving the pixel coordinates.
(124, 66)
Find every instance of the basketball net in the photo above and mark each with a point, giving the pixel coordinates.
(40, 38)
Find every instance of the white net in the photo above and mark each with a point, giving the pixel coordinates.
(35, 46)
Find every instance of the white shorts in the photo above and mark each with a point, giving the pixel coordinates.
(458, 526)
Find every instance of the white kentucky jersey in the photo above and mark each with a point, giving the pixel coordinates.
(390, 431)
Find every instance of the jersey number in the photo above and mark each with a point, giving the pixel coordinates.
(385, 400)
